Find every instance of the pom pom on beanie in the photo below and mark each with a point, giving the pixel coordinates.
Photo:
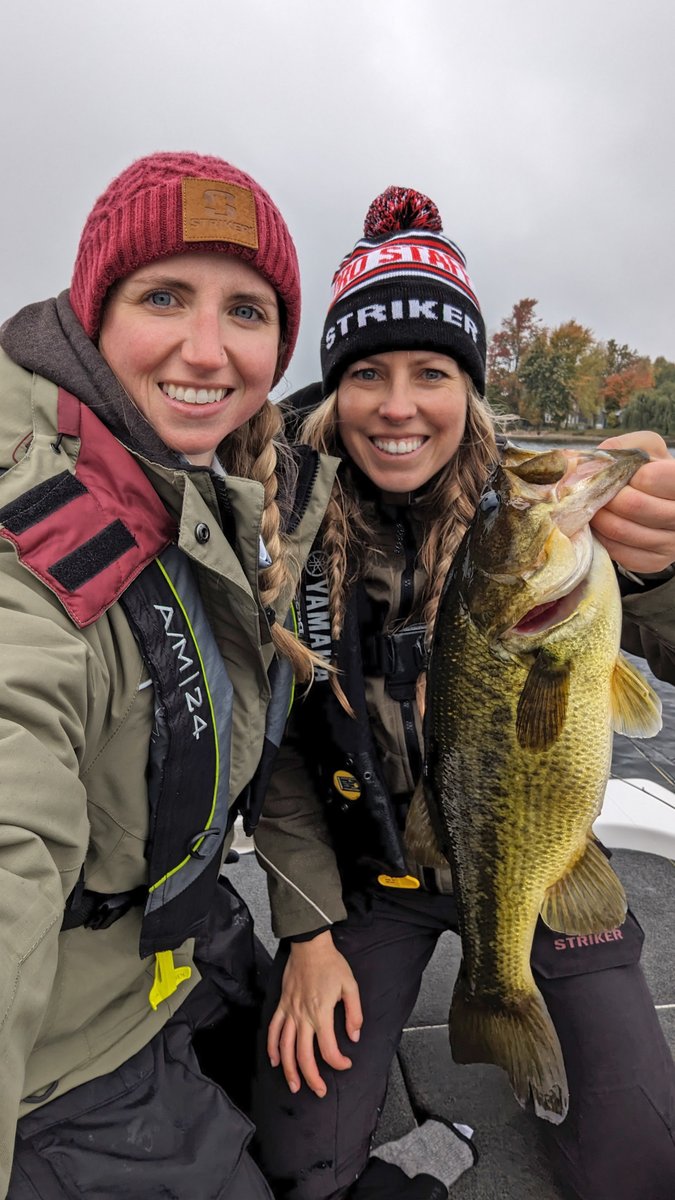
(404, 286)
(401, 208)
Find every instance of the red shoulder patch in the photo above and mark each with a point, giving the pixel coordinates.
(88, 535)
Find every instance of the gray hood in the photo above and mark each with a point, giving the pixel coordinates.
(47, 338)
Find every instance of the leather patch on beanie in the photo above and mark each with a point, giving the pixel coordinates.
(214, 211)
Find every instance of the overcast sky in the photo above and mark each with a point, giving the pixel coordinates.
(543, 131)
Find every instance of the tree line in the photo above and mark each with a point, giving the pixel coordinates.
(563, 378)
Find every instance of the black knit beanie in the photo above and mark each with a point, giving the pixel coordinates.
(404, 286)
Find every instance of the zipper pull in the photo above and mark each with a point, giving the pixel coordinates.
(398, 881)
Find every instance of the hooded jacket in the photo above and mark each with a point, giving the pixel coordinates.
(76, 720)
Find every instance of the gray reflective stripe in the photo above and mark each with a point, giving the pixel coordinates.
(282, 689)
(282, 682)
(178, 574)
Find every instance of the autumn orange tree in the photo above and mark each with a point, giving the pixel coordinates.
(654, 408)
(506, 351)
(565, 377)
(626, 374)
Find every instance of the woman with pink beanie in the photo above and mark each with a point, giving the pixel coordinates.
(153, 522)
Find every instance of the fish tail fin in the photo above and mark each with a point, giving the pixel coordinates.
(521, 1039)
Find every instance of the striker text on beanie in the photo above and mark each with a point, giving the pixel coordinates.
(404, 286)
(172, 203)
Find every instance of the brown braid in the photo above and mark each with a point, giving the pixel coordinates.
(257, 450)
(455, 494)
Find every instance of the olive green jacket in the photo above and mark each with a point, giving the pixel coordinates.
(75, 725)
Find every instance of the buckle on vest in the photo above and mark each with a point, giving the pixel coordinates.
(108, 909)
(399, 657)
(98, 910)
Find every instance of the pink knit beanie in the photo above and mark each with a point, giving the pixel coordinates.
(173, 203)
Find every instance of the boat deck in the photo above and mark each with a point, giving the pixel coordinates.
(511, 1165)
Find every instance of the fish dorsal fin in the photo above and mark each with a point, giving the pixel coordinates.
(542, 706)
(588, 899)
(636, 708)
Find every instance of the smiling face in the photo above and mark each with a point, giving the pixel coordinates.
(194, 340)
(401, 416)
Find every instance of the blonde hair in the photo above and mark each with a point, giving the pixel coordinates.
(258, 450)
(454, 494)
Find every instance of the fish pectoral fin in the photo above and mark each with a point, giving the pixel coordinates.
(588, 899)
(542, 707)
(636, 708)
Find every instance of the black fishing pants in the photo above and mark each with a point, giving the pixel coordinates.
(617, 1142)
(161, 1126)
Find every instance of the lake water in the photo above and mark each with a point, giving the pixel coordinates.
(653, 758)
(537, 443)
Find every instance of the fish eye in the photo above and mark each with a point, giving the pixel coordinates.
(488, 502)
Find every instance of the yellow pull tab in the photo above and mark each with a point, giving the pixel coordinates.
(167, 977)
(398, 881)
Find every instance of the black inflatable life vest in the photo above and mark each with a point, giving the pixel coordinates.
(102, 534)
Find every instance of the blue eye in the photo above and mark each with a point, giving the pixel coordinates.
(160, 299)
(247, 312)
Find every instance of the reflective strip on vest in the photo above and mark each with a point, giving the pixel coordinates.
(282, 683)
(189, 765)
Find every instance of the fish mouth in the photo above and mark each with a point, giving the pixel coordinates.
(560, 604)
(539, 574)
(551, 612)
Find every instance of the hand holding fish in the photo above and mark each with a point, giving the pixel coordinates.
(317, 977)
(637, 527)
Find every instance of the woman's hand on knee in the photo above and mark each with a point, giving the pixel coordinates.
(316, 979)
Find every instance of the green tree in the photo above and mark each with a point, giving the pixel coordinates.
(559, 374)
(619, 357)
(664, 374)
(654, 409)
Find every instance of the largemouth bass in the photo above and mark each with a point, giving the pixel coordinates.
(525, 687)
